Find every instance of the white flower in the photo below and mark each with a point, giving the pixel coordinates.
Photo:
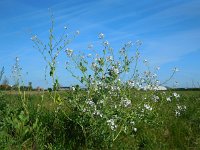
(90, 102)
(179, 110)
(135, 129)
(17, 58)
(145, 61)
(98, 113)
(155, 98)
(94, 65)
(65, 27)
(169, 99)
(101, 36)
(176, 95)
(132, 123)
(109, 58)
(177, 113)
(148, 107)
(112, 124)
(69, 52)
(73, 88)
(115, 70)
(105, 43)
(126, 102)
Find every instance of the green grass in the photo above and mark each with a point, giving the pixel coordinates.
(56, 131)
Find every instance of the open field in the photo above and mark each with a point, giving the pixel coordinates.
(35, 122)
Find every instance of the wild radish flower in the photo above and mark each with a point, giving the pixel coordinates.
(135, 129)
(98, 113)
(115, 70)
(126, 102)
(73, 88)
(179, 110)
(148, 107)
(132, 123)
(131, 83)
(69, 52)
(169, 99)
(177, 113)
(17, 58)
(112, 124)
(101, 36)
(176, 95)
(145, 61)
(109, 58)
(84, 110)
(90, 102)
(94, 65)
(106, 43)
(101, 101)
(155, 98)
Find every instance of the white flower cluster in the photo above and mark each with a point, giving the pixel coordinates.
(176, 95)
(125, 102)
(169, 99)
(155, 98)
(90, 102)
(148, 107)
(179, 110)
(106, 43)
(115, 69)
(69, 52)
(112, 124)
(109, 58)
(101, 36)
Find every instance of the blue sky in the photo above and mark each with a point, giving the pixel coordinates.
(169, 30)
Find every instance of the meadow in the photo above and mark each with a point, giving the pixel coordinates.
(36, 124)
(112, 111)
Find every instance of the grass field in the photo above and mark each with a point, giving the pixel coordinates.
(33, 121)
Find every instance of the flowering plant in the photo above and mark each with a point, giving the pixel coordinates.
(116, 97)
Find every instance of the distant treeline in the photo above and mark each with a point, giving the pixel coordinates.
(184, 89)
